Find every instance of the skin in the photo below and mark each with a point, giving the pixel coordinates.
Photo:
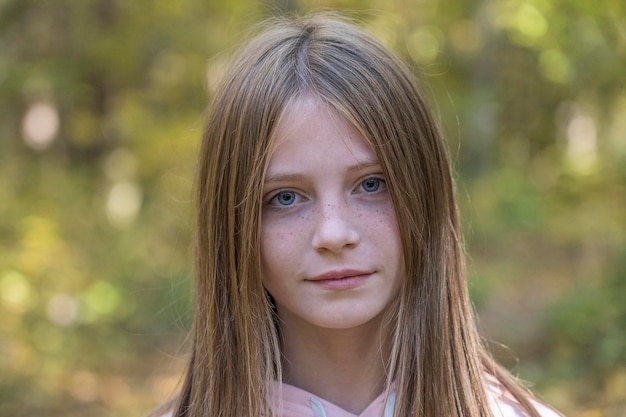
(331, 255)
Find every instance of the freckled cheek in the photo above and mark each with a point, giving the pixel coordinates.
(393, 228)
(380, 220)
(282, 231)
(281, 241)
(380, 228)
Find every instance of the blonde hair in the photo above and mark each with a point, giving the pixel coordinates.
(438, 362)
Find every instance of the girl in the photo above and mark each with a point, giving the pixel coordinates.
(329, 265)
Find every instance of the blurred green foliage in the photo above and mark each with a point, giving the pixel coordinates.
(101, 106)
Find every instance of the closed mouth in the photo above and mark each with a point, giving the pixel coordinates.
(339, 274)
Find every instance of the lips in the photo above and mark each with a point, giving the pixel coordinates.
(341, 279)
(341, 274)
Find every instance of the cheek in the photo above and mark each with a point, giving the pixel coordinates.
(276, 237)
(381, 223)
(386, 232)
(281, 242)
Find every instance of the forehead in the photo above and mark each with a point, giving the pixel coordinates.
(313, 130)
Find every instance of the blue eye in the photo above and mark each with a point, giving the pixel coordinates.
(284, 198)
(372, 184)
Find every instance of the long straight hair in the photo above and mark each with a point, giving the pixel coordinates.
(438, 363)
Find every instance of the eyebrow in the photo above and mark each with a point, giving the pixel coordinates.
(360, 166)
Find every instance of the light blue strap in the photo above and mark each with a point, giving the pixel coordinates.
(317, 407)
(390, 405)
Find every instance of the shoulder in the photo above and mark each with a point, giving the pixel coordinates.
(503, 404)
(510, 408)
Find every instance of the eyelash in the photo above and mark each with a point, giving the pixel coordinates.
(272, 201)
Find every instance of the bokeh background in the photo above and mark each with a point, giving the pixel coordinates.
(101, 107)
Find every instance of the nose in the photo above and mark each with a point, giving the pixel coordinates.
(335, 230)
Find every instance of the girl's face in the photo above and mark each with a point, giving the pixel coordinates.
(330, 246)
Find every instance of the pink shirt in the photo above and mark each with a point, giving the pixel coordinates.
(297, 402)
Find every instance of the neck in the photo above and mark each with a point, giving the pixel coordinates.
(344, 367)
